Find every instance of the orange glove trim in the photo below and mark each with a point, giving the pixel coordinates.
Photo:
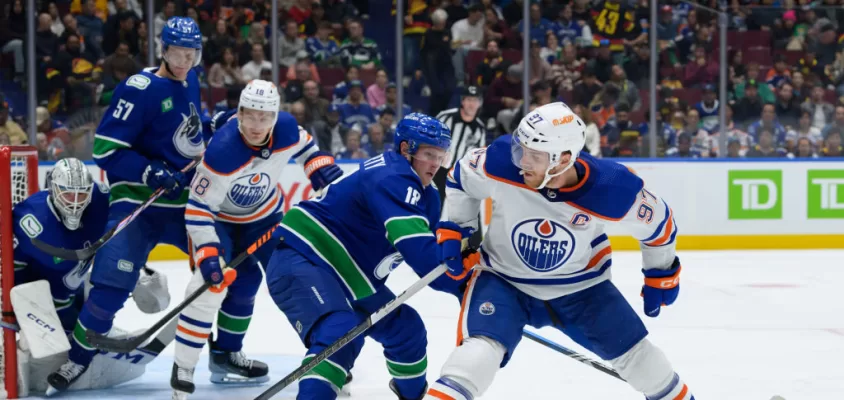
(447, 234)
(668, 282)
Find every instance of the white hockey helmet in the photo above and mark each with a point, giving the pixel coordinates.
(259, 95)
(70, 188)
(552, 129)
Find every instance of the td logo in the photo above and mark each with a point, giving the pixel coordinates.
(755, 194)
(825, 197)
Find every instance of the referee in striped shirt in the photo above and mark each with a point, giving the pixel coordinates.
(467, 133)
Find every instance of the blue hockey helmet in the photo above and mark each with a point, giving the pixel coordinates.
(418, 128)
(182, 32)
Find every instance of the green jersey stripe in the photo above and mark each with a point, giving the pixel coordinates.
(331, 250)
(332, 372)
(104, 144)
(122, 191)
(404, 227)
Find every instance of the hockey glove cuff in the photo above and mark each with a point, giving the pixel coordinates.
(213, 268)
(321, 170)
(661, 287)
(450, 240)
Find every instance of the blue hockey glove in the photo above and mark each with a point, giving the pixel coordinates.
(450, 238)
(213, 268)
(661, 287)
(159, 175)
(321, 170)
(219, 119)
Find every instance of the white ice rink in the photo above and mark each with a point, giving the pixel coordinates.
(747, 325)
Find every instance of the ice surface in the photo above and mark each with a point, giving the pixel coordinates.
(747, 325)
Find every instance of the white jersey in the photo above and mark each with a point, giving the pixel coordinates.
(552, 242)
(238, 183)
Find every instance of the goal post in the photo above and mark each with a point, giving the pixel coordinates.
(19, 180)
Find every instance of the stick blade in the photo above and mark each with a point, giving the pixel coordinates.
(64, 254)
(114, 345)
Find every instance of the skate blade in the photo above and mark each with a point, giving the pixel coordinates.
(234, 379)
(177, 395)
(51, 391)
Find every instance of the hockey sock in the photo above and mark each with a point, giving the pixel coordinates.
(97, 315)
(676, 390)
(328, 377)
(409, 377)
(448, 389)
(191, 335)
(232, 322)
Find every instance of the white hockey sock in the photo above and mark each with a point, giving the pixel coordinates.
(647, 370)
(195, 323)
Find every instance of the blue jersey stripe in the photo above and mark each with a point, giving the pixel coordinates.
(661, 224)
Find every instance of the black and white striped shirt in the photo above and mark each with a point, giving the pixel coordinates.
(464, 136)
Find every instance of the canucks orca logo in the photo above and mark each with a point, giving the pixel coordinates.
(249, 190)
(387, 265)
(188, 136)
(543, 245)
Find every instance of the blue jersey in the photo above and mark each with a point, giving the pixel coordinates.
(150, 118)
(361, 114)
(36, 217)
(365, 222)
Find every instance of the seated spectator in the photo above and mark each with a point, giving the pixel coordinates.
(638, 66)
(466, 34)
(52, 129)
(294, 88)
(341, 89)
(618, 127)
(540, 70)
(123, 31)
(391, 102)
(303, 58)
(49, 150)
(376, 145)
(750, 106)
(832, 145)
(734, 149)
(355, 110)
(252, 69)
(4, 139)
(701, 70)
(709, 108)
(246, 48)
(821, 111)
(387, 119)
(571, 31)
(376, 92)
(13, 27)
(587, 88)
(322, 49)
(837, 122)
(495, 29)
(683, 149)
(503, 99)
(222, 38)
(734, 134)
(753, 78)
(493, 65)
(780, 73)
(537, 25)
(11, 128)
(231, 101)
(358, 50)
(316, 108)
(768, 122)
(629, 92)
(116, 68)
(766, 146)
(352, 149)
(311, 25)
(330, 134)
(787, 107)
(79, 74)
(591, 132)
(226, 72)
(803, 149)
(289, 44)
(700, 137)
(603, 105)
(804, 129)
(300, 11)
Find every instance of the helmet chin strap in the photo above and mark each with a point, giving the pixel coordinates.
(549, 175)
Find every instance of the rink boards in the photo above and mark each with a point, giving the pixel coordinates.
(738, 204)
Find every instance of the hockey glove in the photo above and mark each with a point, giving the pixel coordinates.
(213, 268)
(450, 238)
(159, 175)
(219, 119)
(661, 287)
(321, 170)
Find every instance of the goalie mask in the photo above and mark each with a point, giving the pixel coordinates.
(70, 188)
(543, 136)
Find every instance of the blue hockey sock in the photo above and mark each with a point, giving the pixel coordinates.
(97, 315)
(315, 389)
(232, 322)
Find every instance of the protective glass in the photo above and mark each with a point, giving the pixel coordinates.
(182, 57)
(527, 159)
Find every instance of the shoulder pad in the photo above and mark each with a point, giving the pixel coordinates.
(226, 151)
(286, 131)
(498, 164)
(614, 188)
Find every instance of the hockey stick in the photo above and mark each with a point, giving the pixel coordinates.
(116, 345)
(352, 334)
(88, 252)
(571, 353)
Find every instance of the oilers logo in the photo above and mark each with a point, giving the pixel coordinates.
(188, 138)
(249, 190)
(543, 245)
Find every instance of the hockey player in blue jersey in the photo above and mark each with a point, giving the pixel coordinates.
(151, 130)
(338, 249)
(236, 198)
(70, 213)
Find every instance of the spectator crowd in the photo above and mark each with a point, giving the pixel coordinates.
(785, 63)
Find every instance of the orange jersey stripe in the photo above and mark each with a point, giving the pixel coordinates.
(193, 333)
(463, 305)
(198, 213)
(440, 395)
(669, 228)
(594, 261)
(682, 393)
(265, 210)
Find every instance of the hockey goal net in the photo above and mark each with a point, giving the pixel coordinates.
(19, 179)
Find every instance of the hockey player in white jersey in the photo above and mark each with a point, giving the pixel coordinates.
(235, 198)
(545, 259)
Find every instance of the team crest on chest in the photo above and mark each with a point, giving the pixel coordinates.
(249, 190)
(188, 137)
(543, 245)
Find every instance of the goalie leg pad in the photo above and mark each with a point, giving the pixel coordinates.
(471, 367)
(40, 324)
(647, 370)
(195, 322)
(151, 293)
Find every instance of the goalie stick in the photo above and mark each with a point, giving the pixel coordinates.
(88, 252)
(352, 334)
(106, 343)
